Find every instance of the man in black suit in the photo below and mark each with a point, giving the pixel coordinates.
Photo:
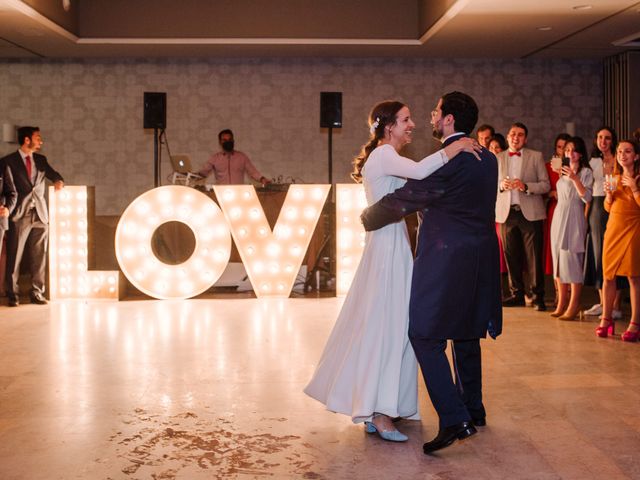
(29, 222)
(8, 199)
(455, 289)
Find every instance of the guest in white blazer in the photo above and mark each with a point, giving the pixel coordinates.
(520, 211)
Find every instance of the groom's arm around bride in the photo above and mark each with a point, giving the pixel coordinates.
(455, 291)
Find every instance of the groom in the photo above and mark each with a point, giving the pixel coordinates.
(455, 290)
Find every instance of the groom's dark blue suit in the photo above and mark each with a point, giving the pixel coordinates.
(455, 291)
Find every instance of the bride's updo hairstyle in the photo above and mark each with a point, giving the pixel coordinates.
(382, 115)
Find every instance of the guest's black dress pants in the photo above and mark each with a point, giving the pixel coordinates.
(522, 243)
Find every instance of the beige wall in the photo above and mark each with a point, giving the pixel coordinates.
(90, 112)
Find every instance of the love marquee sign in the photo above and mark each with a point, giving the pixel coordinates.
(272, 258)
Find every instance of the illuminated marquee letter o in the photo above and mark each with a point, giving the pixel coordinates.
(156, 207)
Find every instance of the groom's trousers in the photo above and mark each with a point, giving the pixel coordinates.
(454, 402)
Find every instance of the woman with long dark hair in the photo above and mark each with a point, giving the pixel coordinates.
(368, 369)
(497, 144)
(569, 228)
(603, 159)
(622, 239)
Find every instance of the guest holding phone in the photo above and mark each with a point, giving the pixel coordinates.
(569, 227)
(553, 170)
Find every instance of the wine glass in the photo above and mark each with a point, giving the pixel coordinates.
(612, 181)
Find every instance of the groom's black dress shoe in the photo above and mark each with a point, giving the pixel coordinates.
(448, 435)
(479, 421)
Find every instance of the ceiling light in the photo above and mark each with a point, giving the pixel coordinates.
(544, 28)
(583, 7)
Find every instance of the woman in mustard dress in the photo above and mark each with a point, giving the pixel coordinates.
(621, 251)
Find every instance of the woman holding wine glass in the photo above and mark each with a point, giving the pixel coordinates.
(621, 252)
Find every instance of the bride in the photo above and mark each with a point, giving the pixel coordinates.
(368, 369)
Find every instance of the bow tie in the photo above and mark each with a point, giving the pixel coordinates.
(518, 153)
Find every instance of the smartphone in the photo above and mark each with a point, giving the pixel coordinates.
(566, 161)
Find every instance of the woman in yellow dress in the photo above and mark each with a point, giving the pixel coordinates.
(621, 251)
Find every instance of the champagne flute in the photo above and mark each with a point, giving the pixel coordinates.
(612, 181)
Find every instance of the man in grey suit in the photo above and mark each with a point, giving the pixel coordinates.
(520, 211)
(29, 222)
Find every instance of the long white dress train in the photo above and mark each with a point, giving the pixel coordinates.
(368, 365)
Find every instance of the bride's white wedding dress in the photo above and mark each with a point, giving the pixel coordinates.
(368, 365)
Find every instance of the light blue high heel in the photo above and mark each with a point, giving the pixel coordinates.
(390, 435)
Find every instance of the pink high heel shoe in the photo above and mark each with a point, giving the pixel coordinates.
(608, 329)
(631, 336)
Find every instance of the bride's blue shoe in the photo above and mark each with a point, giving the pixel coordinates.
(391, 435)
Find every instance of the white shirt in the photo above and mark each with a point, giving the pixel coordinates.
(34, 171)
(515, 169)
(452, 135)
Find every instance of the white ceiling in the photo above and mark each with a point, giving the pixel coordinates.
(468, 28)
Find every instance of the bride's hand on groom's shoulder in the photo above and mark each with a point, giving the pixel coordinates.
(470, 145)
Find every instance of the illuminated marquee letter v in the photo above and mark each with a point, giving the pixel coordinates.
(272, 259)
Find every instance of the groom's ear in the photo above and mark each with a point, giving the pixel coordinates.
(449, 120)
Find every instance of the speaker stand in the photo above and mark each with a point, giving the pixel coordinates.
(156, 158)
(323, 262)
(330, 148)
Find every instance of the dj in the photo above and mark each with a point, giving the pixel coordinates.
(230, 165)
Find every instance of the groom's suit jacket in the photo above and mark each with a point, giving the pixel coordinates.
(30, 195)
(455, 290)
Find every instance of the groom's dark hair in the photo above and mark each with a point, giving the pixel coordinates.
(464, 111)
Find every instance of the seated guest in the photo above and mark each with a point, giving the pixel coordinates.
(497, 144)
(484, 134)
(622, 238)
(230, 165)
(569, 228)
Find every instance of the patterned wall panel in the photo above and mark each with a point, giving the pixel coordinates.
(90, 111)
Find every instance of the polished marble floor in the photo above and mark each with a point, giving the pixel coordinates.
(212, 388)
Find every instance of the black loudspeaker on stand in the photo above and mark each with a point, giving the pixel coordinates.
(330, 118)
(155, 116)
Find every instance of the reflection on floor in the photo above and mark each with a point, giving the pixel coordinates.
(212, 388)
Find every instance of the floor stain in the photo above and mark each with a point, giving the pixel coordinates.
(159, 447)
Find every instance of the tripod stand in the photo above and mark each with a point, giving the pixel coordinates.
(322, 261)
